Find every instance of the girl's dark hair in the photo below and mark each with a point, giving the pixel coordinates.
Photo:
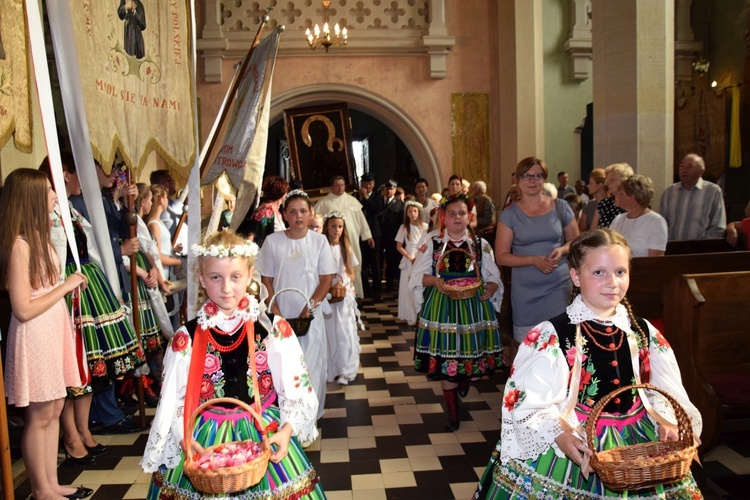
(296, 195)
(274, 188)
(455, 177)
(26, 214)
(591, 240)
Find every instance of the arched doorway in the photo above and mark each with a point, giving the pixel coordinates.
(372, 104)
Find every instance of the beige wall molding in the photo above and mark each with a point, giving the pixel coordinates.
(388, 28)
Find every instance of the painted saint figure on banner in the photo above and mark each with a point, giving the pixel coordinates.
(134, 15)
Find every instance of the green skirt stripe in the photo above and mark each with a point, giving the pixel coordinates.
(151, 338)
(293, 477)
(456, 339)
(550, 476)
(107, 332)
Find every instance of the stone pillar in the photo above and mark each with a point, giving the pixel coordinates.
(633, 68)
(685, 46)
(529, 78)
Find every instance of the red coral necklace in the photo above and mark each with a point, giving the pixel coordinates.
(233, 345)
(591, 333)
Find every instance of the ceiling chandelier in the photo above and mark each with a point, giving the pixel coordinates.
(323, 37)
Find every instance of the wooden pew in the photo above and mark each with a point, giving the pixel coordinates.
(712, 245)
(707, 320)
(649, 275)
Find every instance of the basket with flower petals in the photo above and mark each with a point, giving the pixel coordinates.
(460, 288)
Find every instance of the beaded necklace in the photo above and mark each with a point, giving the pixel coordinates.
(609, 333)
(233, 345)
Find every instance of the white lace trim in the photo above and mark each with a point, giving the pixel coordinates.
(162, 449)
(578, 312)
(300, 414)
(530, 437)
(221, 320)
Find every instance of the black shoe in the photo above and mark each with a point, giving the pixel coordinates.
(463, 388)
(85, 461)
(128, 402)
(124, 426)
(81, 492)
(97, 450)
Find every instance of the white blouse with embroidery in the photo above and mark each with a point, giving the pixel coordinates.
(536, 393)
(297, 401)
(423, 265)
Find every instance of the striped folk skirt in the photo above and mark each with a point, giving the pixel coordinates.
(552, 477)
(457, 339)
(151, 338)
(109, 340)
(292, 478)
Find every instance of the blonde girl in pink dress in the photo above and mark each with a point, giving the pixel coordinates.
(40, 359)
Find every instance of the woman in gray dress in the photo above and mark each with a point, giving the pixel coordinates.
(532, 238)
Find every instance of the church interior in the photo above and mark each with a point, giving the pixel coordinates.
(440, 87)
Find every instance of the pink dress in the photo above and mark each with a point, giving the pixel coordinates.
(40, 358)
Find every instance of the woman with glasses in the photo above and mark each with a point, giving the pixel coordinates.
(533, 235)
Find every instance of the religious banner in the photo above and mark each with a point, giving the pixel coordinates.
(245, 122)
(135, 66)
(15, 101)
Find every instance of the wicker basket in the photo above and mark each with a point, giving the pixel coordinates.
(299, 325)
(337, 291)
(460, 292)
(646, 464)
(225, 479)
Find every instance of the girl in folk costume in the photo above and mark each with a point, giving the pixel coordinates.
(210, 357)
(407, 238)
(456, 340)
(342, 322)
(595, 347)
(301, 259)
(40, 356)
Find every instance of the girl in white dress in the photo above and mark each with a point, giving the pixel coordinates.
(301, 259)
(341, 324)
(406, 244)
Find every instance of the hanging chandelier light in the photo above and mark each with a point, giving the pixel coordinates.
(324, 37)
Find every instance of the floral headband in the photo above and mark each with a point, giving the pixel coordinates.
(457, 197)
(297, 192)
(412, 203)
(333, 215)
(221, 251)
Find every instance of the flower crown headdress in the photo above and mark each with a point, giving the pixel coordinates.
(333, 215)
(413, 203)
(457, 197)
(221, 251)
(297, 192)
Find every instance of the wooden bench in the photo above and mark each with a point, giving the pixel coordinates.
(707, 322)
(711, 245)
(649, 276)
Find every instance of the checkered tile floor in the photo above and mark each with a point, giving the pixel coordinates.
(383, 435)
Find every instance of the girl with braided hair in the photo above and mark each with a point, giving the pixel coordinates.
(596, 346)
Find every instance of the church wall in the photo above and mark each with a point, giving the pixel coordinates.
(403, 80)
(565, 99)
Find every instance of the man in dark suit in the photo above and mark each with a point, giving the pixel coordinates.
(371, 206)
(391, 218)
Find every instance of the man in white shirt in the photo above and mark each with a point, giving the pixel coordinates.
(338, 200)
(693, 208)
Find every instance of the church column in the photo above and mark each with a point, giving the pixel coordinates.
(633, 68)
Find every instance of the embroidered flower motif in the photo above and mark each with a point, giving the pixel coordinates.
(452, 368)
(180, 341)
(662, 341)
(265, 384)
(259, 213)
(207, 389)
(261, 361)
(571, 356)
(645, 357)
(585, 379)
(151, 343)
(513, 396)
(433, 365)
(532, 336)
(212, 364)
(423, 248)
(468, 367)
(284, 328)
(211, 308)
(99, 369)
(551, 342)
(244, 303)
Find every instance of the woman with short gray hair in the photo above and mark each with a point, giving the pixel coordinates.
(645, 230)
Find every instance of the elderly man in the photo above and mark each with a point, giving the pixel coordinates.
(338, 200)
(693, 208)
(484, 205)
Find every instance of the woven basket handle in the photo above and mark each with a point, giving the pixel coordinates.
(273, 299)
(462, 250)
(341, 279)
(685, 430)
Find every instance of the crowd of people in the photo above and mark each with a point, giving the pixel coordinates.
(278, 348)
